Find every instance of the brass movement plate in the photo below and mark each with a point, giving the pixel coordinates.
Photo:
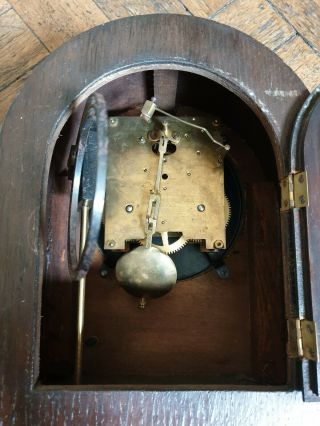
(192, 176)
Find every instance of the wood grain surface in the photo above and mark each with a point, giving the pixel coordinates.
(4, 6)
(301, 58)
(56, 21)
(304, 16)
(266, 276)
(19, 48)
(290, 27)
(257, 19)
(204, 8)
(121, 8)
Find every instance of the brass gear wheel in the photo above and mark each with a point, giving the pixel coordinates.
(227, 210)
(169, 248)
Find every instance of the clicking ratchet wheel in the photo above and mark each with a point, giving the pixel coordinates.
(87, 168)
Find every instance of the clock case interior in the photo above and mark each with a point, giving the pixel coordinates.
(209, 330)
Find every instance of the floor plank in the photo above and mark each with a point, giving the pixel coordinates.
(56, 21)
(204, 8)
(19, 48)
(258, 19)
(304, 15)
(4, 6)
(122, 8)
(303, 60)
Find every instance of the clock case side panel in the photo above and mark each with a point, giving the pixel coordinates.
(305, 222)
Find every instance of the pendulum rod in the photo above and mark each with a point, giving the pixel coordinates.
(81, 292)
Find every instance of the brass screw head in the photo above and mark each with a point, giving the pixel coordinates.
(111, 243)
(218, 244)
(311, 352)
(129, 208)
(309, 329)
(104, 273)
(142, 303)
(113, 122)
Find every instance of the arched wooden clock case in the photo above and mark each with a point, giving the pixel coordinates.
(246, 333)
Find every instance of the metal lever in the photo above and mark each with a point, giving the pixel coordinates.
(150, 107)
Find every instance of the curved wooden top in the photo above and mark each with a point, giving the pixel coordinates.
(30, 130)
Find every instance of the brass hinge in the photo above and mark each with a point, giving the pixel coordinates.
(302, 339)
(294, 191)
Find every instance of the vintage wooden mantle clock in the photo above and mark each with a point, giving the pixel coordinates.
(160, 225)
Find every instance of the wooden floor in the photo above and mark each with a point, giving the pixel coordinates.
(31, 29)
